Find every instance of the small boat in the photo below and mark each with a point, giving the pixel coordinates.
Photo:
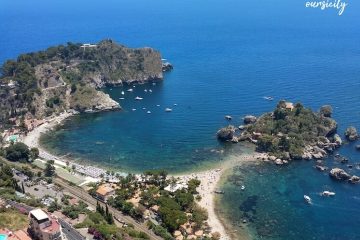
(134, 109)
(138, 98)
(327, 193)
(130, 90)
(175, 104)
(143, 108)
(168, 109)
(121, 98)
(150, 90)
(242, 187)
(145, 90)
(268, 98)
(228, 117)
(148, 112)
(158, 105)
(307, 199)
(122, 93)
(154, 84)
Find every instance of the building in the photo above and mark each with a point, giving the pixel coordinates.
(43, 227)
(289, 106)
(105, 191)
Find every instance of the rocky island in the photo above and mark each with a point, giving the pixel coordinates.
(293, 132)
(68, 77)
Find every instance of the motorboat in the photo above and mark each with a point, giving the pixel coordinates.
(242, 187)
(130, 90)
(134, 109)
(138, 98)
(145, 90)
(158, 105)
(122, 93)
(150, 90)
(148, 112)
(327, 193)
(121, 98)
(168, 109)
(175, 104)
(307, 199)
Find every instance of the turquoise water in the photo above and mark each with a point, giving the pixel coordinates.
(227, 56)
(3, 237)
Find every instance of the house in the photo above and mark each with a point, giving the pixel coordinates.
(177, 186)
(289, 106)
(105, 191)
(43, 227)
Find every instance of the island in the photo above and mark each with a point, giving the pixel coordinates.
(293, 132)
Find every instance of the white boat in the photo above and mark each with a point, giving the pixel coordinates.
(130, 90)
(242, 187)
(122, 93)
(145, 90)
(158, 105)
(268, 98)
(134, 109)
(148, 112)
(143, 108)
(153, 84)
(168, 109)
(307, 199)
(327, 193)
(138, 98)
(175, 104)
(121, 98)
(150, 90)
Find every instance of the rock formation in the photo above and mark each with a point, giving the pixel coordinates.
(226, 133)
(339, 174)
(351, 134)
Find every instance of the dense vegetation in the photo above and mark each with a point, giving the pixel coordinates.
(288, 131)
(40, 82)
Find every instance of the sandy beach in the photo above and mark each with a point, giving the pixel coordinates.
(209, 183)
(209, 178)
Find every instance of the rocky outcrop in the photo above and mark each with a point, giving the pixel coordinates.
(337, 140)
(354, 179)
(226, 133)
(351, 134)
(339, 174)
(249, 119)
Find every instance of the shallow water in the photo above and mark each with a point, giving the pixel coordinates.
(274, 208)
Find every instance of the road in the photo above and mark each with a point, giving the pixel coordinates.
(87, 198)
(69, 232)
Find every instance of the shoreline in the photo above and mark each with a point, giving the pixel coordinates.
(210, 178)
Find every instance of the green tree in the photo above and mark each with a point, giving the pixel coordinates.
(49, 168)
(34, 153)
(17, 152)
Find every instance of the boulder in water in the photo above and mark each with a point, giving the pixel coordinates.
(226, 133)
(339, 174)
(351, 134)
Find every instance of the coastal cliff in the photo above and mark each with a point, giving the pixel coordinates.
(68, 77)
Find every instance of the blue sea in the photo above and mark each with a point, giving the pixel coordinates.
(227, 56)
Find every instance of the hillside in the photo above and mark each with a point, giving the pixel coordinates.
(69, 76)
